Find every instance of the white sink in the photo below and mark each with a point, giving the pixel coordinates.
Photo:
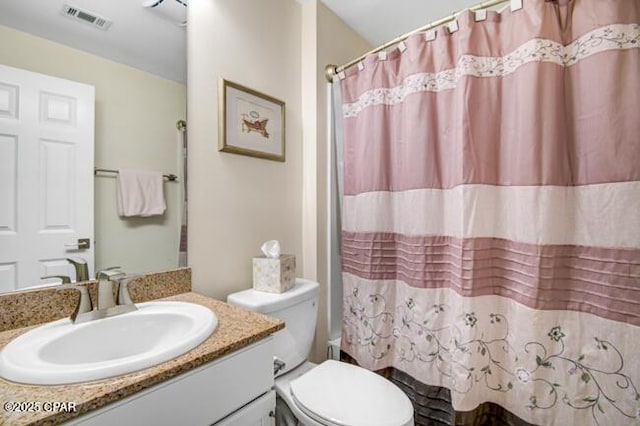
(62, 352)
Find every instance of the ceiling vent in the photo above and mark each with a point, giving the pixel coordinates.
(85, 16)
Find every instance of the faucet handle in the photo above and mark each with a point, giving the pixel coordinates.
(84, 303)
(123, 289)
(101, 271)
(110, 274)
(65, 279)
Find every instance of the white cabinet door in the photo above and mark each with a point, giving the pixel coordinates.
(46, 175)
(260, 412)
(199, 397)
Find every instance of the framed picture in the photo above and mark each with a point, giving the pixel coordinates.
(250, 123)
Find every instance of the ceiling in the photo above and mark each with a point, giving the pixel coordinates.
(144, 39)
(379, 21)
(139, 37)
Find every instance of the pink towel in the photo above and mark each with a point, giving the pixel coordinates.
(140, 193)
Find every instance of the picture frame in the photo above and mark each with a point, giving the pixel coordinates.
(250, 122)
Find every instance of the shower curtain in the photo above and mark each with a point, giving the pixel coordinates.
(491, 216)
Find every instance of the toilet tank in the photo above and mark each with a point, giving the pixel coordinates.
(297, 307)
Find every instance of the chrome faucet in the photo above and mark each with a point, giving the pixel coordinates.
(81, 267)
(110, 268)
(84, 306)
(124, 299)
(107, 306)
(105, 287)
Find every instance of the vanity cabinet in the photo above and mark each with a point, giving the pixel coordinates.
(259, 412)
(234, 390)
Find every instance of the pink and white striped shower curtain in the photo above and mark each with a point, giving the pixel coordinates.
(491, 216)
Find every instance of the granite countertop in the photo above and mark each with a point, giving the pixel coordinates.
(237, 328)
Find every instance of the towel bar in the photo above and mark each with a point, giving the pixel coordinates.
(170, 177)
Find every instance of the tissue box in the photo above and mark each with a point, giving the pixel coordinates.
(274, 275)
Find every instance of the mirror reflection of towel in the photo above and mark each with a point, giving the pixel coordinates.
(140, 193)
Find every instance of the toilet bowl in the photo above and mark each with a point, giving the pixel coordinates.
(332, 393)
(338, 394)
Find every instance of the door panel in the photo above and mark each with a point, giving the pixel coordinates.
(8, 183)
(46, 175)
(8, 100)
(57, 190)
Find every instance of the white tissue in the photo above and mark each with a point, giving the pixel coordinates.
(271, 249)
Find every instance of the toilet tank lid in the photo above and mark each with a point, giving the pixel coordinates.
(263, 302)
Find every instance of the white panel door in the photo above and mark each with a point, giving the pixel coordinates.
(46, 176)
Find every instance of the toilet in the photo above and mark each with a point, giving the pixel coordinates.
(329, 394)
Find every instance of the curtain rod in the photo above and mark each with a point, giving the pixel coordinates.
(170, 177)
(331, 70)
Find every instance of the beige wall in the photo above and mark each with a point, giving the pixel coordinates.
(333, 42)
(136, 113)
(278, 47)
(238, 202)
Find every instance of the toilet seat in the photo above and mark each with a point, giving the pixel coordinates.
(339, 394)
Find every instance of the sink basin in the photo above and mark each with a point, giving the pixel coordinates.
(61, 352)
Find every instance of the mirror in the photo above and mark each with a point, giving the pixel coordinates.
(135, 57)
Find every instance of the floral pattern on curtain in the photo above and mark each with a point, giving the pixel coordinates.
(491, 212)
